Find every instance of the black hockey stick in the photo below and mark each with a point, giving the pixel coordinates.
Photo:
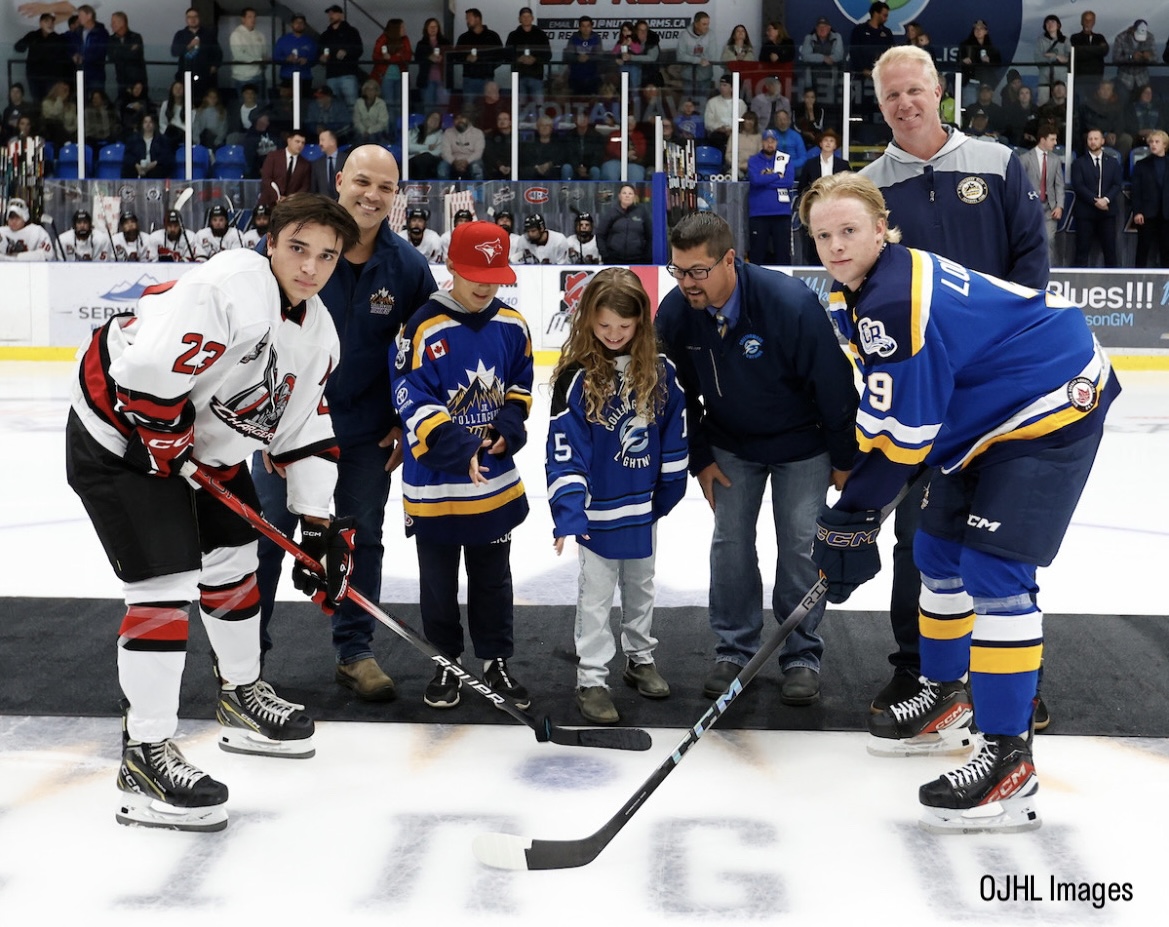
(607, 738)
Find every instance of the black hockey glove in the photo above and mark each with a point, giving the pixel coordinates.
(845, 549)
(161, 450)
(332, 548)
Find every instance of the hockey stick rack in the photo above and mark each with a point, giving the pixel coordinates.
(546, 730)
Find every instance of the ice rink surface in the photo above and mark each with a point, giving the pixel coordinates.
(766, 827)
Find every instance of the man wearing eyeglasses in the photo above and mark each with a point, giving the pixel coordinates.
(769, 399)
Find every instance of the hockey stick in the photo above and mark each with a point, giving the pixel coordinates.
(546, 730)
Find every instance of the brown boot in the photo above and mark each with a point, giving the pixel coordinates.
(367, 680)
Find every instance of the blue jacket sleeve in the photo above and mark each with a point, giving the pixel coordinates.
(1026, 225)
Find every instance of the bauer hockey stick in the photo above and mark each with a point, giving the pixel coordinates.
(546, 730)
(509, 851)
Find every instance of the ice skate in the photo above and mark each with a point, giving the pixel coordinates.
(160, 788)
(993, 793)
(256, 720)
(937, 720)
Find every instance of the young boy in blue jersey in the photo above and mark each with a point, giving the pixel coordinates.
(462, 384)
(1004, 390)
(616, 463)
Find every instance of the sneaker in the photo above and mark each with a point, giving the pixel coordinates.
(367, 680)
(256, 720)
(994, 792)
(720, 678)
(443, 690)
(904, 685)
(1039, 715)
(499, 677)
(936, 720)
(646, 679)
(160, 788)
(596, 705)
(801, 686)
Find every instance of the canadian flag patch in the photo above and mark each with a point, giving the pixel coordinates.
(436, 350)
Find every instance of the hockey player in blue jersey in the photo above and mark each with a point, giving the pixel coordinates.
(616, 463)
(462, 384)
(1004, 390)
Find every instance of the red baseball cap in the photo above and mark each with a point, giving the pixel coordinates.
(479, 252)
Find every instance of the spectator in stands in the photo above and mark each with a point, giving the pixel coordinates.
(259, 141)
(739, 47)
(243, 113)
(101, 122)
(651, 101)
(638, 154)
(979, 57)
(1132, 51)
(1053, 49)
(481, 51)
(542, 158)
(750, 141)
(172, 115)
(868, 39)
(722, 114)
(823, 161)
(778, 47)
(771, 188)
(297, 52)
(324, 169)
(822, 53)
(341, 50)
(1142, 116)
(1089, 49)
(430, 56)
(149, 154)
(1020, 120)
(90, 42)
(126, 52)
(371, 116)
(49, 57)
(583, 56)
(392, 54)
(651, 49)
(285, 171)
(249, 50)
(789, 142)
(425, 146)
(17, 107)
(531, 50)
(59, 114)
(1150, 202)
(985, 102)
(463, 145)
(209, 121)
(489, 106)
(769, 98)
(132, 105)
(625, 231)
(584, 151)
(810, 118)
(326, 111)
(1055, 109)
(23, 143)
(197, 49)
(688, 122)
(1105, 111)
(497, 151)
(694, 54)
(624, 48)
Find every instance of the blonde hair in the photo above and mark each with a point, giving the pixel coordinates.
(848, 184)
(644, 386)
(904, 54)
(1161, 133)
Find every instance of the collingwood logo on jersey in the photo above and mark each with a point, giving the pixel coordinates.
(634, 437)
(381, 302)
(475, 405)
(257, 410)
(873, 338)
(972, 190)
(752, 346)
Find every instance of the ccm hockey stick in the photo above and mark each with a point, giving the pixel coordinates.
(546, 730)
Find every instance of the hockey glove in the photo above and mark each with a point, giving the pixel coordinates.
(332, 548)
(845, 549)
(162, 449)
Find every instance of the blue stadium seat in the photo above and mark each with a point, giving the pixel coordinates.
(109, 161)
(67, 164)
(231, 163)
(200, 163)
(311, 152)
(708, 160)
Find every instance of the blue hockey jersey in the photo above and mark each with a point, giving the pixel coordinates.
(959, 368)
(612, 481)
(459, 377)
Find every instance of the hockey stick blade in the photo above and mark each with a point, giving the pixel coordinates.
(183, 197)
(606, 738)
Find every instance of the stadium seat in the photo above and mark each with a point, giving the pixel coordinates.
(230, 163)
(109, 161)
(311, 152)
(67, 165)
(708, 160)
(200, 163)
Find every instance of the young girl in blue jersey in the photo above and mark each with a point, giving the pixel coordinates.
(616, 463)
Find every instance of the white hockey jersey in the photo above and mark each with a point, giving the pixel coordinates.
(208, 244)
(31, 243)
(251, 238)
(553, 251)
(97, 247)
(219, 339)
(182, 248)
(141, 249)
(583, 253)
(431, 246)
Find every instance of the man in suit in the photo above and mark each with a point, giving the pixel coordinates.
(1046, 176)
(285, 172)
(327, 166)
(148, 153)
(1150, 201)
(1096, 183)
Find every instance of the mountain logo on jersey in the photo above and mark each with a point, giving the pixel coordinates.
(381, 302)
(257, 410)
(475, 405)
(129, 292)
(752, 346)
(1082, 394)
(972, 190)
(873, 338)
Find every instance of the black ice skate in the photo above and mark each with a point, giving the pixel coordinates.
(993, 793)
(256, 720)
(161, 789)
(937, 720)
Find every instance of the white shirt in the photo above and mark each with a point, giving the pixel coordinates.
(247, 46)
(31, 243)
(431, 247)
(141, 249)
(97, 247)
(553, 251)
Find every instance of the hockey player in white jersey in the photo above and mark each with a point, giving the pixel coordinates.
(426, 241)
(506, 221)
(21, 240)
(582, 244)
(217, 236)
(260, 218)
(84, 243)
(231, 357)
(461, 216)
(173, 243)
(131, 243)
(541, 245)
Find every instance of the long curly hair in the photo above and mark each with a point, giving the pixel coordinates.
(619, 290)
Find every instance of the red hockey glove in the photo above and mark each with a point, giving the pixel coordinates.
(332, 548)
(161, 450)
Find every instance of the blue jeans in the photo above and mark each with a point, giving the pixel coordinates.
(532, 89)
(611, 170)
(344, 88)
(363, 489)
(798, 491)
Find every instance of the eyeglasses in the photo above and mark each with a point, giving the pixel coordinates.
(694, 273)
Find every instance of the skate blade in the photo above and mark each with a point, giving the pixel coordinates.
(1016, 816)
(142, 811)
(953, 741)
(234, 740)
